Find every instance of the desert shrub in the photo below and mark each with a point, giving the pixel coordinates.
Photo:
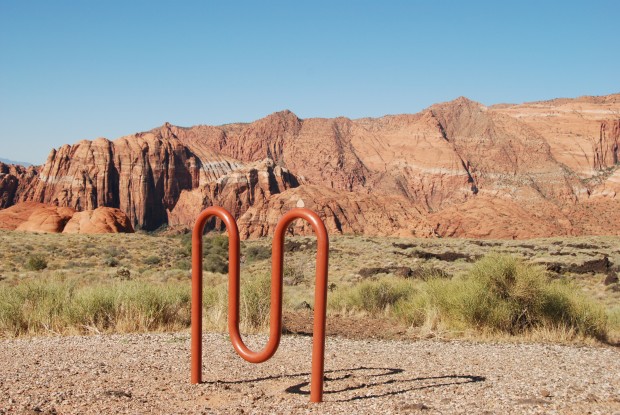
(186, 244)
(502, 293)
(257, 253)
(152, 307)
(565, 306)
(216, 244)
(255, 302)
(372, 296)
(131, 306)
(184, 264)
(110, 262)
(95, 308)
(112, 251)
(152, 260)
(123, 273)
(415, 311)
(36, 262)
(214, 252)
(293, 274)
(613, 319)
(61, 306)
(12, 319)
(36, 306)
(215, 263)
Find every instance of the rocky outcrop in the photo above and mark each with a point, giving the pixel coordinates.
(606, 148)
(342, 212)
(100, 220)
(8, 187)
(455, 169)
(574, 129)
(35, 217)
(39, 217)
(16, 183)
(250, 186)
(142, 175)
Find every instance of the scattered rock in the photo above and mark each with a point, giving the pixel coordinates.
(592, 267)
(532, 401)
(444, 256)
(611, 278)
(403, 245)
(118, 393)
(413, 407)
(583, 246)
(304, 305)
(370, 272)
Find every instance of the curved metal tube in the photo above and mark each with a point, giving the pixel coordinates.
(233, 263)
(275, 327)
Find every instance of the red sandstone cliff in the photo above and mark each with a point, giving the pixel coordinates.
(455, 169)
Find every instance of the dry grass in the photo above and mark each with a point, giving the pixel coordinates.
(357, 264)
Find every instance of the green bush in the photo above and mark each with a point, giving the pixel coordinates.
(36, 262)
(502, 293)
(152, 260)
(255, 302)
(257, 253)
(373, 296)
(110, 262)
(183, 263)
(60, 306)
(215, 245)
(293, 274)
(215, 263)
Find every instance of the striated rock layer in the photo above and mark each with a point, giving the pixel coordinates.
(455, 169)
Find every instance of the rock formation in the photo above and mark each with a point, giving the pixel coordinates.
(455, 169)
(16, 183)
(100, 220)
(39, 217)
(249, 186)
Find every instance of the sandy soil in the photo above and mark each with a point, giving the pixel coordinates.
(149, 373)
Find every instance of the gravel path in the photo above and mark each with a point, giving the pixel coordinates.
(150, 374)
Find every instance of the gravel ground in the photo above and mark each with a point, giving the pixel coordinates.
(149, 373)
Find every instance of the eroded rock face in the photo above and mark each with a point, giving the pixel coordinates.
(578, 131)
(342, 212)
(100, 220)
(606, 149)
(35, 217)
(249, 186)
(142, 175)
(39, 217)
(455, 169)
(15, 183)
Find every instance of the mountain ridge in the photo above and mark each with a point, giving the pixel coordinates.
(456, 168)
(21, 163)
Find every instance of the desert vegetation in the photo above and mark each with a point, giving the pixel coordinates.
(547, 289)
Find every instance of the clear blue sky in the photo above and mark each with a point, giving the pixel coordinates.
(72, 70)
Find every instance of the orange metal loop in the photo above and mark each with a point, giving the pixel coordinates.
(275, 328)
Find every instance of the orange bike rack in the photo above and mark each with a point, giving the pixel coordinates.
(275, 328)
